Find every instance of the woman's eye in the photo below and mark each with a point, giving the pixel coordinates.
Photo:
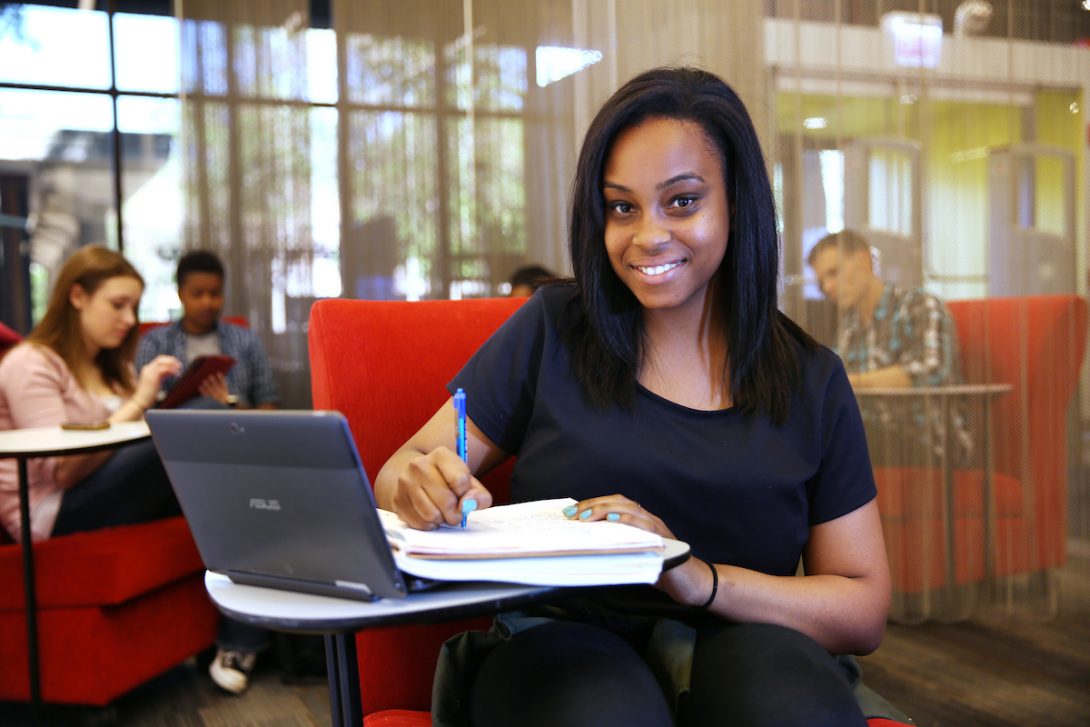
(683, 202)
(621, 208)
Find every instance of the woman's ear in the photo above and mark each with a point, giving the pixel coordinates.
(77, 296)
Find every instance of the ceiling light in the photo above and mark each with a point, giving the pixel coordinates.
(819, 122)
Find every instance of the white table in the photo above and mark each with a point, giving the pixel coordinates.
(945, 395)
(337, 619)
(23, 444)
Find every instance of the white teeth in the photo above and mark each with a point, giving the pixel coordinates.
(657, 269)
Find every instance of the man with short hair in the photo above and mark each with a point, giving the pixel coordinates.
(249, 383)
(890, 338)
(200, 332)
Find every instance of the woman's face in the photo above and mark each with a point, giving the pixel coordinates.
(108, 314)
(667, 215)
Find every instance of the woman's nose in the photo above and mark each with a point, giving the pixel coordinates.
(652, 232)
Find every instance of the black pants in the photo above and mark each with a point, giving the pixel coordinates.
(570, 674)
(130, 487)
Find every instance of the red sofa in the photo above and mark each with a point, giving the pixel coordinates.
(116, 607)
(385, 365)
(1036, 345)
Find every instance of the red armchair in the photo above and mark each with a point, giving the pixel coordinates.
(1036, 346)
(116, 607)
(385, 365)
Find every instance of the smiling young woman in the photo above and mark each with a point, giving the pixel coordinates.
(662, 388)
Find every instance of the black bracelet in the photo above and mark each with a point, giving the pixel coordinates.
(715, 582)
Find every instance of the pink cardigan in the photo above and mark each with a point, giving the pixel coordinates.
(38, 390)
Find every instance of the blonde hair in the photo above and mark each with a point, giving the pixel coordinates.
(61, 330)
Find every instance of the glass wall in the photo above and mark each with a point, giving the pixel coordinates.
(425, 148)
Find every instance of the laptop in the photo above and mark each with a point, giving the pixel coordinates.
(279, 499)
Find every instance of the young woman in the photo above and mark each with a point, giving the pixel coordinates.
(662, 388)
(76, 365)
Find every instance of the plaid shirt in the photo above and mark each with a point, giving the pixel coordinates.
(250, 379)
(914, 330)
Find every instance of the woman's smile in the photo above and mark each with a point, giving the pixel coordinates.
(655, 271)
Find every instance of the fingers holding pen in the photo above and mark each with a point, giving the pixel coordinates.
(434, 489)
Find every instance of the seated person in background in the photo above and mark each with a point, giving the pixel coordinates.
(77, 366)
(249, 383)
(200, 332)
(662, 388)
(527, 279)
(890, 338)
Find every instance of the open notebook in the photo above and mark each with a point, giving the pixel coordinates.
(531, 543)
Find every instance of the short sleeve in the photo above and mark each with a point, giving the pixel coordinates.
(845, 479)
(500, 380)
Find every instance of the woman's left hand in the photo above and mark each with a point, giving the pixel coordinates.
(688, 583)
(618, 508)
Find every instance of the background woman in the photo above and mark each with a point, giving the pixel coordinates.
(663, 389)
(76, 366)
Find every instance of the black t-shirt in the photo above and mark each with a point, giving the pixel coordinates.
(738, 488)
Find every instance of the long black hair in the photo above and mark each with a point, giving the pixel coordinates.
(608, 337)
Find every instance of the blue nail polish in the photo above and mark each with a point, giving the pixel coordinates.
(468, 506)
(569, 511)
(613, 517)
(585, 514)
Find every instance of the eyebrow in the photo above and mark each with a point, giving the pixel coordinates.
(683, 177)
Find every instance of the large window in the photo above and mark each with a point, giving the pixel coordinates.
(87, 156)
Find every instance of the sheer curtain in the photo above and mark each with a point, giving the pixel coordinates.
(425, 149)
(248, 165)
(950, 135)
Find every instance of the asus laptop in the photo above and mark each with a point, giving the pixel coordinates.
(279, 499)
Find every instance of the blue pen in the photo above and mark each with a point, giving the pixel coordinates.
(462, 446)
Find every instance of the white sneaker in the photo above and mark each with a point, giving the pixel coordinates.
(230, 670)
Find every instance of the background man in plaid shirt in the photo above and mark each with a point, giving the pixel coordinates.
(891, 338)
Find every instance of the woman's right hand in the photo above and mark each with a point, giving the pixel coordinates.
(433, 487)
(151, 379)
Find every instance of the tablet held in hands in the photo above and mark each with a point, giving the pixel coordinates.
(188, 384)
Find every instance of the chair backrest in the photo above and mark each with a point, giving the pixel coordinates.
(1036, 344)
(146, 326)
(385, 366)
(8, 338)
